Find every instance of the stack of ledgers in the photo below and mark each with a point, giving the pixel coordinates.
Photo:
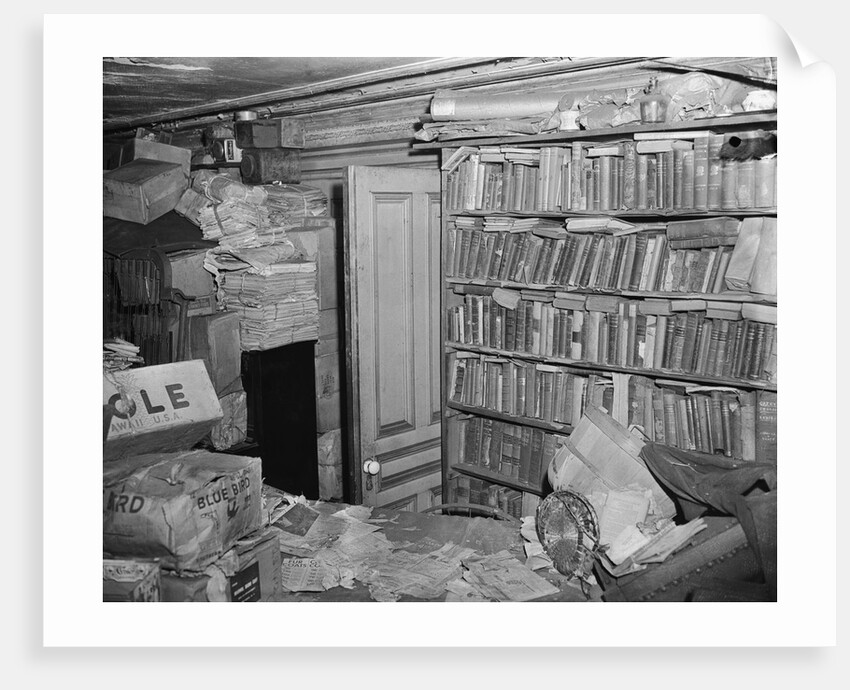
(259, 272)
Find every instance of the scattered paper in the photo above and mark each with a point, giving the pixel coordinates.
(536, 556)
(622, 509)
(297, 519)
(502, 577)
(461, 590)
(302, 575)
(361, 513)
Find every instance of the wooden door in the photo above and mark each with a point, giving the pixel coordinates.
(392, 268)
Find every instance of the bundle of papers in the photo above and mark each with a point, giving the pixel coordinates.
(288, 202)
(277, 306)
(235, 224)
(118, 354)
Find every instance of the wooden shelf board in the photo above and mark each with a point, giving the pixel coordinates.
(714, 297)
(554, 427)
(631, 213)
(751, 119)
(495, 478)
(594, 367)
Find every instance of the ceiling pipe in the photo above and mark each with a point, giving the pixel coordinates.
(296, 92)
(292, 101)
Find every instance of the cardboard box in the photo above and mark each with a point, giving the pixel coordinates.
(131, 580)
(250, 571)
(188, 273)
(285, 132)
(156, 151)
(185, 509)
(143, 190)
(328, 393)
(158, 408)
(215, 340)
(191, 204)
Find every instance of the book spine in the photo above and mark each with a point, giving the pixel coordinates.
(662, 172)
(729, 185)
(449, 259)
(575, 176)
(669, 179)
(688, 180)
(701, 173)
(605, 189)
(651, 182)
(766, 427)
(765, 182)
(641, 179)
(715, 173)
(678, 178)
(746, 184)
(640, 250)
(630, 174)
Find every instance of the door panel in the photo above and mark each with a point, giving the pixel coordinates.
(391, 247)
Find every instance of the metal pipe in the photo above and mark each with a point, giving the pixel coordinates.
(295, 101)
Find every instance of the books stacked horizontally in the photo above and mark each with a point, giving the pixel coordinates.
(260, 273)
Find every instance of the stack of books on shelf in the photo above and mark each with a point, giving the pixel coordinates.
(674, 171)
(735, 423)
(533, 391)
(516, 452)
(690, 257)
(729, 340)
(472, 490)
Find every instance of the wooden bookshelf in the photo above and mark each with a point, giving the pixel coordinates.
(753, 120)
(666, 374)
(556, 427)
(496, 478)
(718, 296)
(692, 393)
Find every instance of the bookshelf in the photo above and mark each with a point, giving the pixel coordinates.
(631, 269)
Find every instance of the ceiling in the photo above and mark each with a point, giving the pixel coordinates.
(137, 89)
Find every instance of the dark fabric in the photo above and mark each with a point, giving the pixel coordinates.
(170, 233)
(745, 490)
(701, 481)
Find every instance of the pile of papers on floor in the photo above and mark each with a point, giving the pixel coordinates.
(601, 461)
(326, 546)
(259, 272)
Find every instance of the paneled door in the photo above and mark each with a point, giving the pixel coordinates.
(392, 269)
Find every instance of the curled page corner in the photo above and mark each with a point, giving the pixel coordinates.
(803, 54)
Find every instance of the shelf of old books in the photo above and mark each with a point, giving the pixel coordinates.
(635, 273)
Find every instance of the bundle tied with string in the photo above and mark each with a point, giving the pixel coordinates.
(259, 272)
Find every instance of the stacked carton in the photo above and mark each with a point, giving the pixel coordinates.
(178, 524)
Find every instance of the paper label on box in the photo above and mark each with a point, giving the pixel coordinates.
(169, 406)
(245, 585)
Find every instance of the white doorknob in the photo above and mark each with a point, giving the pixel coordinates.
(371, 467)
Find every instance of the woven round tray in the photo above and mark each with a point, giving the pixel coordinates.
(569, 532)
